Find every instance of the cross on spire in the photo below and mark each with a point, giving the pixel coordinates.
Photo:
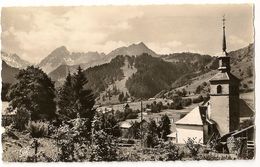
(224, 45)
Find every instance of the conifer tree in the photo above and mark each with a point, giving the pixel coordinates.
(84, 98)
(165, 127)
(66, 99)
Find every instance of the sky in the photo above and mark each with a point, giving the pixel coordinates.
(33, 32)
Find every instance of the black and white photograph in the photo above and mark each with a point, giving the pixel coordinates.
(128, 83)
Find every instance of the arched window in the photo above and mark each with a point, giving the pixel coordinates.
(219, 89)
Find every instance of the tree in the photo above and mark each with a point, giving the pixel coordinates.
(84, 98)
(5, 89)
(151, 137)
(102, 147)
(34, 91)
(66, 99)
(74, 99)
(121, 96)
(165, 127)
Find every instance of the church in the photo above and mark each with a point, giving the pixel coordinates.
(221, 115)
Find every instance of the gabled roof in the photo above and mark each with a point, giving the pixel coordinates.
(224, 76)
(192, 118)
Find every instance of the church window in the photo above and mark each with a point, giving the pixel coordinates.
(219, 89)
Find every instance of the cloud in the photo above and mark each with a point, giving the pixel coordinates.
(33, 32)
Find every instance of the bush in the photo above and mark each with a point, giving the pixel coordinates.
(21, 119)
(173, 152)
(193, 146)
(37, 129)
(186, 102)
(197, 99)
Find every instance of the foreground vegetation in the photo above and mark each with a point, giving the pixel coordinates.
(62, 125)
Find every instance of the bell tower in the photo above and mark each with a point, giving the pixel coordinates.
(224, 94)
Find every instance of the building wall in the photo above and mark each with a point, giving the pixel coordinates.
(220, 113)
(225, 88)
(189, 131)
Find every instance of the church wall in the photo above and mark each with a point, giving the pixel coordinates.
(189, 131)
(225, 88)
(220, 113)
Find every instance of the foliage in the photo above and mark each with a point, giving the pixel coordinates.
(22, 118)
(151, 136)
(236, 145)
(213, 157)
(73, 139)
(177, 103)
(5, 89)
(75, 101)
(134, 131)
(197, 99)
(121, 97)
(101, 76)
(186, 102)
(103, 146)
(37, 129)
(127, 114)
(153, 75)
(155, 107)
(164, 127)
(172, 151)
(33, 92)
(193, 146)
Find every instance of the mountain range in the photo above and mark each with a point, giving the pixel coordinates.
(61, 56)
(136, 68)
(14, 60)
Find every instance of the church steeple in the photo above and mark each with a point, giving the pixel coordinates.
(224, 94)
(224, 45)
(224, 60)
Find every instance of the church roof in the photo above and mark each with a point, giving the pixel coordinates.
(245, 109)
(192, 118)
(224, 76)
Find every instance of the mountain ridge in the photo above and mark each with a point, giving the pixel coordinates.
(14, 60)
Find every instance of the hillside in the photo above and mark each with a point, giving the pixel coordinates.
(153, 75)
(8, 73)
(101, 76)
(241, 66)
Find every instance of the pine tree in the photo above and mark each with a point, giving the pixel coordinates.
(165, 127)
(66, 99)
(33, 92)
(74, 100)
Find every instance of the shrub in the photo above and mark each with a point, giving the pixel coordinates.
(173, 152)
(21, 119)
(193, 146)
(37, 129)
(197, 99)
(186, 102)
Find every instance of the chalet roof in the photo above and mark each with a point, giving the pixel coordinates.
(192, 118)
(125, 124)
(224, 76)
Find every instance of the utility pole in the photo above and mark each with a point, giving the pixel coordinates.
(141, 124)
